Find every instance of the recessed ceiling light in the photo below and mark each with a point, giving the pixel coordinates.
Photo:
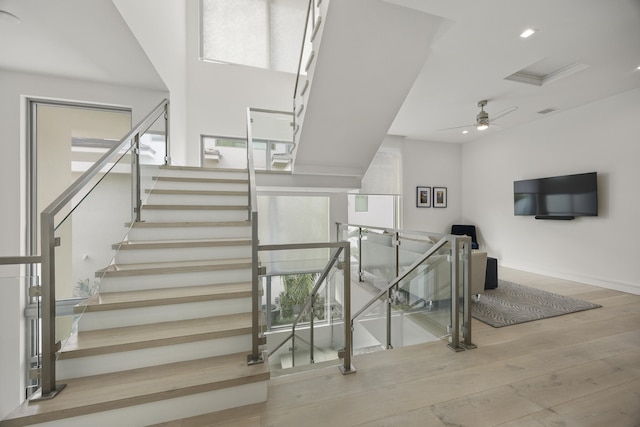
(528, 33)
(638, 67)
(9, 17)
(465, 131)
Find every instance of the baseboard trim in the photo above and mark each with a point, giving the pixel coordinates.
(629, 288)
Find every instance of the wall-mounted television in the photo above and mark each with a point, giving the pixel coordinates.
(557, 197)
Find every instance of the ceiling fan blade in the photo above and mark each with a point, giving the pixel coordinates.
(503, 113)
(457, 127)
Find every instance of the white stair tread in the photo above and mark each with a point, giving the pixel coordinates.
(105, 341)
(198, 169)
(154, 297)
(128, 388)
(196, 207)
(198, 192)
(195, 243)
(120, 270)
(151, 224)
(208, 180)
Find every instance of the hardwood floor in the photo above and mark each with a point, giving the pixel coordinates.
(581, 369)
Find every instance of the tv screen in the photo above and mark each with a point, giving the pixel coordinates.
(568, 195)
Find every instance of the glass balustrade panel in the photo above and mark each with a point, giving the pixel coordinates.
(422, 301)
(370, 328)
(272, 137)
(88, 231)
(288, 294)
(378, 256)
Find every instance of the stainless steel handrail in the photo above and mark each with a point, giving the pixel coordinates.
(49, 387)
(457, 242)
(86, 177)
(346, 367)
(16, 260)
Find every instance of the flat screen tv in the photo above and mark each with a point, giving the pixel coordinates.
(557, 197)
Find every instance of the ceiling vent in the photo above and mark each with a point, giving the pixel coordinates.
(547, 110)
(545, 71)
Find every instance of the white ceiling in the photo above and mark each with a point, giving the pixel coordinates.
(481, 46)
(83, 39)
(477, 48)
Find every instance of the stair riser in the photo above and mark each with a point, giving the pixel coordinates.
(161, 215)
(203, 173)
(132, 256)
(164, 281)
(206, 186)
(171, 409)
(114, 362)
(186, 233)
(165, 313)
(189, 199)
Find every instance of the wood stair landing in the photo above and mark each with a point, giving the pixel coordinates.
(92, 395)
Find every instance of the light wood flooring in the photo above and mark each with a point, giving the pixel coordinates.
(581, 369)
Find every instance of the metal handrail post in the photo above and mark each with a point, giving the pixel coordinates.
(255, 356)
(347, 367)
(455, 297)
(397, 252)
(313, 307)
(167, 136)
(135, 177)
(360, 271)
(466, 319)
(49, 346)
(389, 299)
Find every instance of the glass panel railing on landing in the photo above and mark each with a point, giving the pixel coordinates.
(416, 296)
(304, 301)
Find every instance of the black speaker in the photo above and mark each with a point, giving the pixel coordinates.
(491, 278)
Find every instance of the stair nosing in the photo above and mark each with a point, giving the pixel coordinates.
(143, 269)
(130, 338)
(168, 224)
(196, 192)
(202, 169)
(150, 298)
(179, 244)
(196, 207)
(195, 179)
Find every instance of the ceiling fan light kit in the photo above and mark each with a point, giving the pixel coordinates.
(482, 119)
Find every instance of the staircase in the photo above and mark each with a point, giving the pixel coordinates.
(169, 333)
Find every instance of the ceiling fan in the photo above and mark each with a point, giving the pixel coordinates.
(482, 119)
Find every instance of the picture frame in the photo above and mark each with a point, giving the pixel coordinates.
(423, 197)
(439, 197)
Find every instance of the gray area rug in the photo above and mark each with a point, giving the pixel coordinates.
(511, 303)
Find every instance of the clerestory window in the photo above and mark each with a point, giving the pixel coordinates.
(259, 33)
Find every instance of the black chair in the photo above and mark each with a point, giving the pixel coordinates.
(466, 230)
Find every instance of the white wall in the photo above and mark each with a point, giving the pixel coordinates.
(162, 35)
(430, 164)
(600, 137)
(13, 86)
(218, 95)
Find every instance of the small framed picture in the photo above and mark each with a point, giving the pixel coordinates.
(423, 197)
(439, 197)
